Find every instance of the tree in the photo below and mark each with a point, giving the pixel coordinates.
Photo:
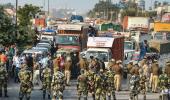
(6, 28)
(25, 14)
(104, 9)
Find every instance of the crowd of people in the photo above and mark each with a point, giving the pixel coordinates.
(93, 77)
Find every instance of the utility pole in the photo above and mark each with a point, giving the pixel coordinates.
(48, 7)
(16, 20)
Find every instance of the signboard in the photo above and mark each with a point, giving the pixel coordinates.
(161, 27)
(140, 22)
(69, 27)
(100, 42)
(166, 17)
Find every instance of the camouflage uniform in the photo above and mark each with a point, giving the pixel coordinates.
(100, 86)
(164, 85)
(134, 84)
(3, 80)
(82, 85)
(46, 81)
(142, 84)
(25, 77)
(91, 83)
(57, 85)
(110, 84)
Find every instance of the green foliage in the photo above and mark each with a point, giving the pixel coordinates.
(26, 13)
(104, 10)
(6, 28)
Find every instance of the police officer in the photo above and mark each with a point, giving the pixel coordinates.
(67, 70)
(46, 81)
(25, 77)
(100, 86)
(118, 75)
(164, 85)
(110, 84)
(82, 85)
(167, 68)
(3, 79)
(58, 84)
(155, 71)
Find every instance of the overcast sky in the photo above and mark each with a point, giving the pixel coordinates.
(81, 6)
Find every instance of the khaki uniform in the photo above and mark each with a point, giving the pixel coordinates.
(154, 77)
(67, 71)
(83, 64)
(118, 76)
(57, 85)
(167, 70)
(3, 80)
(25, 77)
(46, 81)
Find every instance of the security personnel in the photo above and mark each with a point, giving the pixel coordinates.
(134, 82)
(100, 86)
(58, 84)
(164, 83)
(82, 85)
(129, 67)
(142, 83)
(83, 63)
(110, 84)
(91, 83)
(167, 68)
(46, 81)
(67, 70)
(25, 77)
(118, 76)
(3, 79)
(155, 71)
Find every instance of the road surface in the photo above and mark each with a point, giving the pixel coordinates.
(70, 93)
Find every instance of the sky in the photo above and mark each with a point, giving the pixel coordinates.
(81, 6)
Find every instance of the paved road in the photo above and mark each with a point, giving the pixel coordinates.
(69, 94)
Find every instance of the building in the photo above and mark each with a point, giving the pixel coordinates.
(141, 4)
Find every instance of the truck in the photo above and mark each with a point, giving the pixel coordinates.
(72, 36)
(135, 23)
(105, 48)
(161, 41)
(161, 31)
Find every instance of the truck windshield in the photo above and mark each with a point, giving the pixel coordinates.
(98, 54)
(128, 46)
(68, 40)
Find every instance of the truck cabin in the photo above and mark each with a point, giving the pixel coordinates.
(164, 35)
(72, 36)
(105, 48)
(48, 35)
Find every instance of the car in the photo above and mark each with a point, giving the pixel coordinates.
(40, 48)
(46, 45)
(45, 41)
(40, 53)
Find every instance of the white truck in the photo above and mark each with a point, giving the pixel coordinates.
(105, 48)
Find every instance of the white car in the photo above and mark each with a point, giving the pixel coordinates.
(46, 45)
